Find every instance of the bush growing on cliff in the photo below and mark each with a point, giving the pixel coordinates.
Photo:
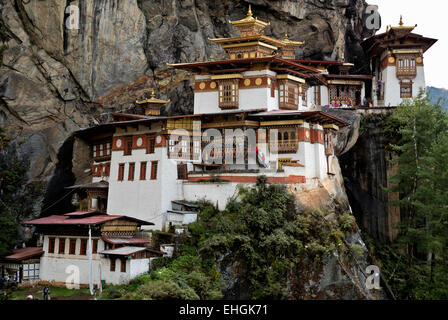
(263, 233)
(263, 236)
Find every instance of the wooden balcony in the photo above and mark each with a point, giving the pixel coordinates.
(228, 105)
(290, 146)
(288, 106)
(407, 72)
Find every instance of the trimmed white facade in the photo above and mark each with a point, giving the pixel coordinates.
(73, 269)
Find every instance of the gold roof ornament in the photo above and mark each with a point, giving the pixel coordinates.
(401, 26)
(288, 42)
(250, 21)
(153, 100)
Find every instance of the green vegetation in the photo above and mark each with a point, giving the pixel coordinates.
(12, 173)
(16, 196)
(260, 232)
(417, 264)
(56, 293)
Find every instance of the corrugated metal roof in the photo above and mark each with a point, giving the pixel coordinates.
(123, 251)
(25, 253)
(97, 185)
(125, 240)
(79, 213)
(93, 220)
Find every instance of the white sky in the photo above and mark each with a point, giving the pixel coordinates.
(432, 19)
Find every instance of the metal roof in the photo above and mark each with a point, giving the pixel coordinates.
(80, 213)
(25, 253)
(97, 185)
(125, 240)
(68, 219)
(308, 115)
(123, 251)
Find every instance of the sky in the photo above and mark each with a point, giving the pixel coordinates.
(431, 16)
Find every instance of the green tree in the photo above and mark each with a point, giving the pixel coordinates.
(422, 181)
(14, 193)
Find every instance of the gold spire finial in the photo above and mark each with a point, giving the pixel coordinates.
(286, 35)
(153, 94)
(401, 21)
(249, 13)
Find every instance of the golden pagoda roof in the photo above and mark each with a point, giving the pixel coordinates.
(250, 21)
(153, 100)
(401, 26)
(259, 37)
(288, 42)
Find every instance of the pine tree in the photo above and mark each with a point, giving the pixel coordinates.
(12, 180)
(422, 181)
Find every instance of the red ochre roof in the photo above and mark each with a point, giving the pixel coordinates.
(68, 219)
(25, 253)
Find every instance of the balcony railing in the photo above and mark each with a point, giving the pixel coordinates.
(290, 146)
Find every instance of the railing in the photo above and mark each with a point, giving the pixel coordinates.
(288, 106)
(290, 146)
(228, 105)
(407, 71)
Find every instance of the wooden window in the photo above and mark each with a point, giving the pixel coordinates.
(83, 249)
(342, 94)
(143, 166)
(102, 151)
(273, 89)
(51, 242)
(72, 246)
(154, 165)
(228, 94)
(287, 140)
(406, 66)
(179, 147)
(288, 95)
(112, 264)
(131, 171)
(94, 246)
(182, 172)
(123, 265)
(196, 149)
(151, 144)
(121, 172)
(406, 89)
(61, 245)
(108, 147)
(128, 146)
(106, 170)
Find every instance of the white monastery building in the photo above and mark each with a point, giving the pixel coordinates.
(257, 113)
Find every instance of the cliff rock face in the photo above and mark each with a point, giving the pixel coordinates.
(367, 171)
